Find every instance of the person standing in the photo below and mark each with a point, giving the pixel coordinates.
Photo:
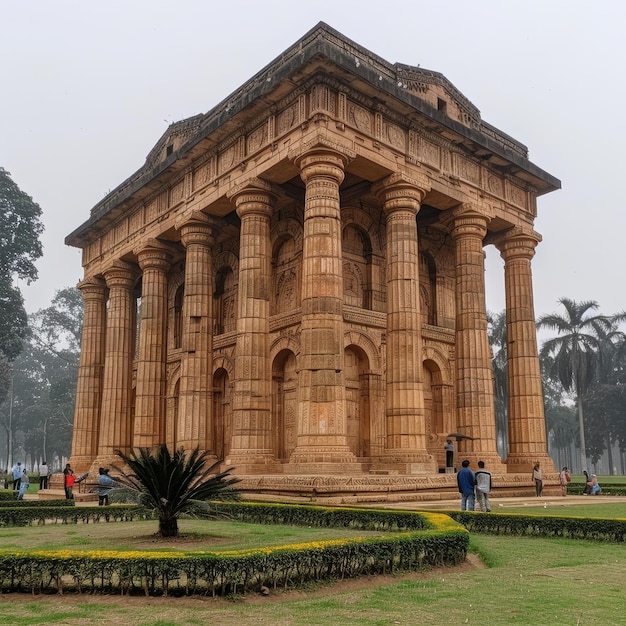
(483, 487)
(466, 482)
(68, 481)
(17, 476)
(564, 478)
(449, 448)
(105, 484)
(538, 480)
(24, 484)
(44, 472)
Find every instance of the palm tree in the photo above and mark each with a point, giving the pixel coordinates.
(576, 351)
(172, 485)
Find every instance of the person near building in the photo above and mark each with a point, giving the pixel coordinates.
(44, 472)
(449, 448)
(483, 487)
(538, 479)
(105, 484)
(564, 478)
(68, 481)
(466, 482)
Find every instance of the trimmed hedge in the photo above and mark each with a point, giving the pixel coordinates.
(608, 489)
(64, 514)
(435, 539)
(596, 529)
(35, 503)
(7, 495)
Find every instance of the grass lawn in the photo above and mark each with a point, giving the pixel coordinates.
(593, 509)
(195, 535)
(506, 580)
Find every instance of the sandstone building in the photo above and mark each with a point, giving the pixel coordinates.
(295, 281)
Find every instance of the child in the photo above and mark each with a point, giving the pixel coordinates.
(24, 484)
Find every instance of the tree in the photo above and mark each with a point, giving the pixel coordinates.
(44, 375)
(172, 485)
(576, 351)
(496, 329)
(20, 228)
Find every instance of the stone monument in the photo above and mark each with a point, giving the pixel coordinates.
(294, 281)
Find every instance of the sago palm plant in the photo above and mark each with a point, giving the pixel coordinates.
(172, 484)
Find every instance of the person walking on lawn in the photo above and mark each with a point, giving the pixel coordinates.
(466, 482)
(483, 487)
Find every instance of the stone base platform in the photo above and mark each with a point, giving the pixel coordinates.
(350, 489)
(59, 494)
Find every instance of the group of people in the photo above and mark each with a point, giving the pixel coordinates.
(474, 487)
(592, 487)
(105, 483)
(21, 480)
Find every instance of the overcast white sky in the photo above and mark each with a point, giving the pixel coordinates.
(87, 88)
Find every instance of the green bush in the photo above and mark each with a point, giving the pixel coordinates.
(64, 514)
(35, 503)
(8, 495)
(421, 540)
(596, 529)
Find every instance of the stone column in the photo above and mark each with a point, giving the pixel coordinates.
(149, 428)
(527, 429)
(405, 413)
(116, 413)
(251, 449)
(322, 444)
(90, 374)
(196, 371)
(475, 408)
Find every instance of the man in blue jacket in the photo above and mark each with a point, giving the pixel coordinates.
(466, 481)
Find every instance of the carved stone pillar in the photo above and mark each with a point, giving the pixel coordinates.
(475, 408)
(527, 429)
(251, 448)
(405, 414)
(149, 428)
(195, 409)
(322, 444)
(90, 374)
(116, 413)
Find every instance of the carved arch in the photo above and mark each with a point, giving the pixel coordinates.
(365, 343)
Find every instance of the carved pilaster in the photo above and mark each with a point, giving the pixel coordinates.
(195, 425)
(90, 375)
(251, 449)
(322, 436)
(474, 378)
(116, 413)
(149, 428)
(405, 413)
(527, 429)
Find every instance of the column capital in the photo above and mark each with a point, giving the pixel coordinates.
(154, 254)
(322, 157)
(517, 242)
(120, 274)
(254, 196)
(467, 219)
(401, 192)
(196, 227)
(92, 288)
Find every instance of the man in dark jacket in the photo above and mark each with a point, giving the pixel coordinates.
(466, 482)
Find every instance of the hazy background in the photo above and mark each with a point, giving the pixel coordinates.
(89, 87)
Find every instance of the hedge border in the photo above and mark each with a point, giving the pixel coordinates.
(518, 525)
(416, 541)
